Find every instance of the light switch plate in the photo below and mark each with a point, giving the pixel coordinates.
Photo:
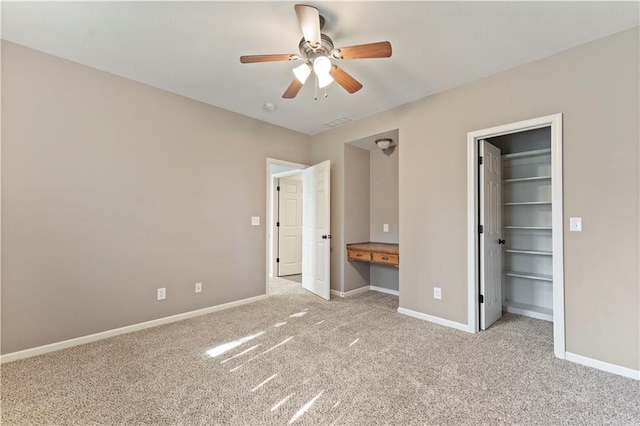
(437, 293)
(575, 224)
(255, 220)
(385, 227)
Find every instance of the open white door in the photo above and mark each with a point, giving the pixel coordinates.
(316, 236)
(490, 241)
(289, 226)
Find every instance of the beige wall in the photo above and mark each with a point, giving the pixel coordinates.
(596, 88)
(384, 194)
(111, 188)
(384, 209)
(356, 213)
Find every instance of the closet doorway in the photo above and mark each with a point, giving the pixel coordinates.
(515, 240)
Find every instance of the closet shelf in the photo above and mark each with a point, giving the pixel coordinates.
(526, 206)
(527, 179)
(534, 228)
(527, 203)
(535, 252)
(533, 311)
(534, 153)
(529, 275)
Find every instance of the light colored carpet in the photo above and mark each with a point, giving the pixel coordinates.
(295, 278)
(356, 359)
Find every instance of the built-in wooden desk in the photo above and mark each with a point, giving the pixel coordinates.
(385, 253)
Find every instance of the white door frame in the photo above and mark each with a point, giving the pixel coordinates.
(555, 122)
(269, 220)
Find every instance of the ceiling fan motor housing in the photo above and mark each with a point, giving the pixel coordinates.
(325, 48)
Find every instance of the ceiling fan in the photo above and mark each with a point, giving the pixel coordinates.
(317, 52)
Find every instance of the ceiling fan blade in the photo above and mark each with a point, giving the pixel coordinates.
(309, 19)
(345, 80)
(249, 59)
(292, 90)
(381, 49)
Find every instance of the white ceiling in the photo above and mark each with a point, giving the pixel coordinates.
(192, 48)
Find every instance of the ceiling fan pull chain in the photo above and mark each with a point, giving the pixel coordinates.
(315, 88)
(326, 94)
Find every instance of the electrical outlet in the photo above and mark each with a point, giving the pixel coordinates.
(162, 293)
(198, 287)
(385, 227)
(437, 293)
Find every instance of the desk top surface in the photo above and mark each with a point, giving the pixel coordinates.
(389, 248)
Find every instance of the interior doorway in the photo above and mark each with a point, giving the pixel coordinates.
(298, 225)
(515, 234)
(276, 170)
(288, 224)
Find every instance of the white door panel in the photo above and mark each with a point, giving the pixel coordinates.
(316, 234)
(490, 247)
(290, 229)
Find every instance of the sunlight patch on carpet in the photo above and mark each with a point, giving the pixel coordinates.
(264, 383)
(272, 348)
(226, 347)
(241, 353)
(285, 399)
(305, 407)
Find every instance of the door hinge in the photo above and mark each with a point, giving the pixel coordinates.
(277, 260)
(278, 188)
(480, 160)
(277, 223)
(481, 298)
(480, 229)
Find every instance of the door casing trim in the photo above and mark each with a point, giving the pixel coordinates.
(553, 121)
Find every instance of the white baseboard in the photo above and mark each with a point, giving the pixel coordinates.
(122, 330)
(435, 320)
(604, 366)
(384, 290)
(351, 292)
(363, 289)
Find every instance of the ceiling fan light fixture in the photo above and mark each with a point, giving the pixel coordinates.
(321, 66)
(302, 72)
(317, 51)
(324, 80)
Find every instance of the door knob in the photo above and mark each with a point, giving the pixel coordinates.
(500, 241)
